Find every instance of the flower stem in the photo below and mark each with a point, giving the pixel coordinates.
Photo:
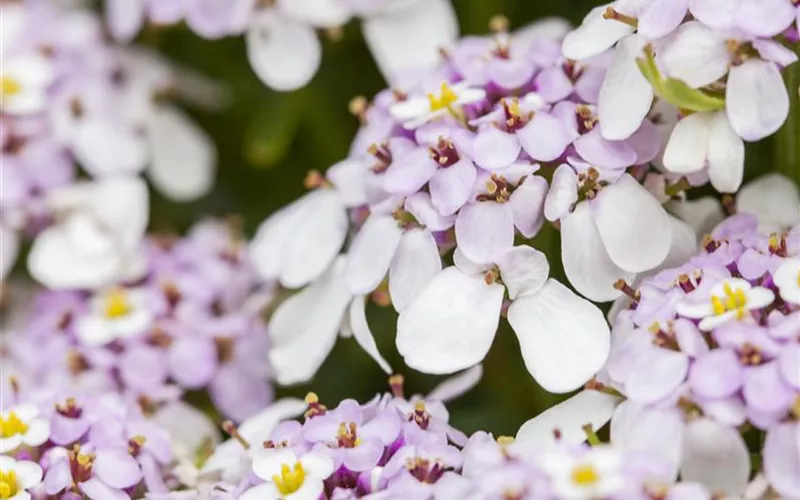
(787, 141)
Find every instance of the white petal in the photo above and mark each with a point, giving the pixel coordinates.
(267, 245)
(524, 270)
(285, 54)
(715, 455)
(720, 14)
(304, 327)
(703, 214)
(188, 427)
(586, 261)
(485, 230)
(696, 55)
(587, 407)
(319, 13)
(348, 177)
(773, 198)
(684, 244)
(725, 156)
(451, 324)
(9, 246)
(636, 240)
(625, 96)
(564, 338)
(410, 38)
(319, 229)
(121, 204)
(456, 385)
(527, 204)
(562, 194)
(595, 35)
(687, 149)
(104, 146)
(757, 99)
(363, 335)
(415, 264)
(467, 266)
(183, 156)
(124, 18)
(372, 252)
(258, 427)
(654, 432)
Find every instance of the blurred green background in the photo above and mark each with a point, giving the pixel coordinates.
(268, 141)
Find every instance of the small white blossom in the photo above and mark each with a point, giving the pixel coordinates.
(597, 473)
(417, 111)
(733, 298)
(289, 477)
(21, 425)
(18, 477)
(23, 84)
(116, 313)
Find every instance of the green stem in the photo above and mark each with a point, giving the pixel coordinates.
(787, 140)
(591, 436)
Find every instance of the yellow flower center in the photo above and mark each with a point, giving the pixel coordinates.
(9, 86)
(117, 304)
(732, 300)
(798, 277)
(8, 484)
(290, 479)
(444, 100)
(12, 425)
(585, 475)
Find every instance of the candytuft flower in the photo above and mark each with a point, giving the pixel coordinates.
(22, 425)
(18, 478)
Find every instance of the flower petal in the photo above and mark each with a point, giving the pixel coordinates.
(715, 455)
(598, 151)
(562, 194)
(782, 458)
(451, 187)
(363, 334)
(595, 35)
(318, 13)
(407, 174)
(544, 138)
(655, 432)
(415, 264)
(765, 18)
(696, 55)
(625, 96)
(661, 17)
(773, 198)
(524, 271)
(725, 156)
(485, 230)
(687, 148)
(451, 324)
(757, 99)
(527, 204)
(456, 385)
(564, 338)
(494, 148)
(371, 253)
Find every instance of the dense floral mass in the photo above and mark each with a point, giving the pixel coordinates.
(527, 175)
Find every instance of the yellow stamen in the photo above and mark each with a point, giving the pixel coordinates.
(8, 484)
(732, 300)
(444, 100)
(585, 475)
(505, 440)
(117, 304)
(9, 86)
(12, 425)
(289, 480)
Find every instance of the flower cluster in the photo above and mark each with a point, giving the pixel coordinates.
(67, 97)
(720, 63)
(282, 44)
(192, 323)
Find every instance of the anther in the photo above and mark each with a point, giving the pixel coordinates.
(396, 382)
(233, 432)
(625, 288)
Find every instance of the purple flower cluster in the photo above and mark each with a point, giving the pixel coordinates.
(713, 346)
(192, 323)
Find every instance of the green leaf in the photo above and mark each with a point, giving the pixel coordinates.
(269, 135)
(675, 91)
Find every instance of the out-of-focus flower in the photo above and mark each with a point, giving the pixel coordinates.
(22, 425)
(18, 478)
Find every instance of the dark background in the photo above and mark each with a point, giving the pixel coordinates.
(267, 141)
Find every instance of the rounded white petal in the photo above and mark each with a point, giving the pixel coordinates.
(371, 253)
(485, 230)
(451, 324)
(562, 194)
(363, 334)
(636, 240)
(257, 428)
(687, 149)
(703, 214)
(715, 455)
(654, 432)
(264, 491)
(595, 35)
(106, 146)
(756, 99)
(319, 13)
(564, 338)
(183, 157)
(284, 54)
(586, 261)
(188, 427)
(456, 385)
(266, 248)
(415, 264)
(725, 156)
(304, 327)
(696, 55)
(773, 198)
(410, 38)
(524, 271)
(625, 96)
(684, 244)
(568, 418)
(268, 462)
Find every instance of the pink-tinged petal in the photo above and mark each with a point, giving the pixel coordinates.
(363, 457)
(771, 50)
(661, 17)
(524, 270)
(595, 35)
(756, 99)
(494, 148)
(715, 455)
(658, 433)
(781, 457)
(564, 338)
(527, 204)
(765, 390)
(695, 54)
(586, 261)
(371, 253)
(717, 374)
(562, 194)
(421, 207)
(407, 174)
(451, 187)
(626, 96)
(124, 18)
(95, 489)
(646, 142)
(58, 477)
(544, 138)
(485, 230)
(789, 363)
(116, 468)
(238, 392)
(719, 14)
(415, 264)
(765, 18)
(725, 156)
(192, 361)
(655, 374)
(451, 324)
(553, 85)
(568, 418)
(594, 149)
(636, 240)
(510, 73)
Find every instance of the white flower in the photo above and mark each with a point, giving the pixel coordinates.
(116, 313)
(417, 111)
(17, 477)
(450, 326)
(21, 425)
(596, 473)
(23, 84)
(787, 279)
(732, 298)
(703, 140)
(96, 239)
(288, 476)
(775, 201)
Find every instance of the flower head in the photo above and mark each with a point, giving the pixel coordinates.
(18, 478)
(22, 425)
